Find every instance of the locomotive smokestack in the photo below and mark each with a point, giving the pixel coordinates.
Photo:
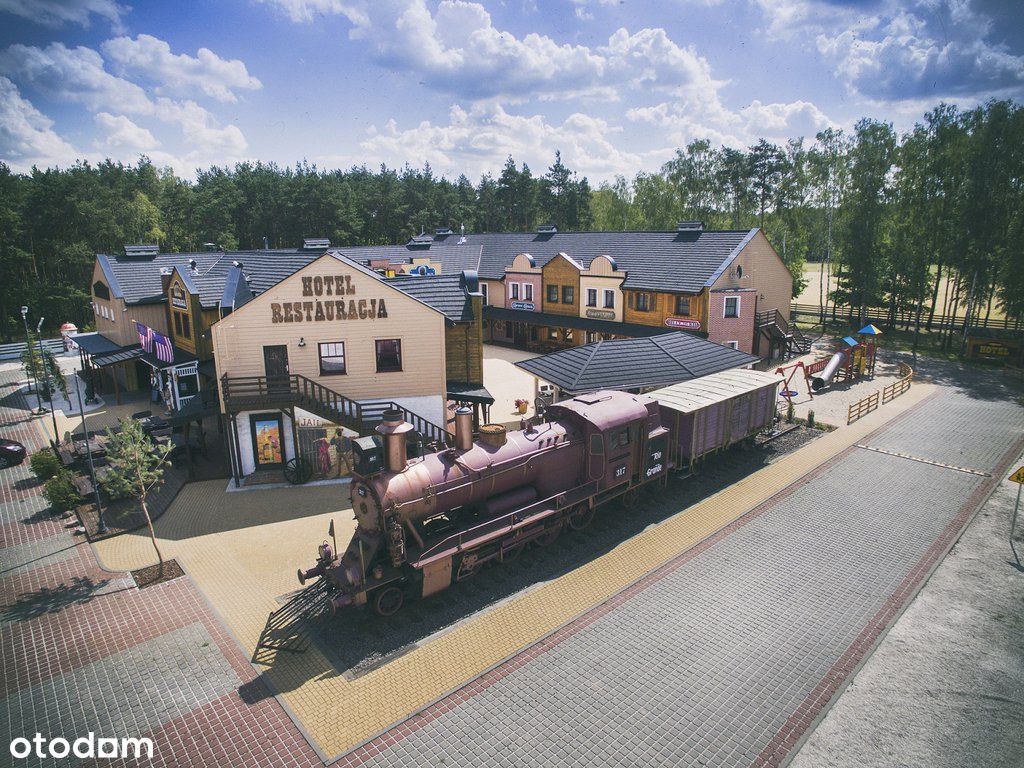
(394, 429)
(464, 428)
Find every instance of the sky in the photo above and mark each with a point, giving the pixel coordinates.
(615, 85)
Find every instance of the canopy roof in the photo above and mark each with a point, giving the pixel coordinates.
(690, 396)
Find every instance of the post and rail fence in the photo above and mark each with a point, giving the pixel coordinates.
(907, 317)
(886, 394)
(16, 350)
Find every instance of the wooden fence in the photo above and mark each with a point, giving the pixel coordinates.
(886, 394)
(903, 317)
(15, 351)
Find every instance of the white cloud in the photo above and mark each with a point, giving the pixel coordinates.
(56, 13)
(77, 75)
(27, 137)
(119, 131)
(205, 72)
(458, 50)
(477, 139)
(778, 120)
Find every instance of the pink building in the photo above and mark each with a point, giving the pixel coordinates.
(731, 314)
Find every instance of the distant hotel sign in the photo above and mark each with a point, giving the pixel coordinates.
(600, 314)
(322, 308)
(178, 297)
(681, 322)
(529, 306)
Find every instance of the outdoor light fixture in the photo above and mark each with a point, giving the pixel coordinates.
(302, 341)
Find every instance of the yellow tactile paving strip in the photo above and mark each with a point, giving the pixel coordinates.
(242, 570)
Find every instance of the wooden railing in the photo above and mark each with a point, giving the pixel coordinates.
(903, 317)
(16, 350)
(886, 394)
(243, 392)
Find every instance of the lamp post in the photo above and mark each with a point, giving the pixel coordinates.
(28, 347)
(42, 364)
(101, 524)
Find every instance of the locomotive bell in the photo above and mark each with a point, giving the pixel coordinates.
(393, 428)
(464, 428)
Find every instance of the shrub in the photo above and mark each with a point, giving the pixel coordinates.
(60, 492)
(810, 419)
(790, 413)
(44, 464)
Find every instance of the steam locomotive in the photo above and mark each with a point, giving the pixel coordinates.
(426, 522)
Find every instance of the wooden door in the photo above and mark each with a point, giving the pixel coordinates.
(275, 363)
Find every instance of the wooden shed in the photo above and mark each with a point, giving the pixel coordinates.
(715, 411)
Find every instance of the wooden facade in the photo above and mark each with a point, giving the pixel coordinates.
(560, 279)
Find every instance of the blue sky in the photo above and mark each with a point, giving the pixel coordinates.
(616, 85)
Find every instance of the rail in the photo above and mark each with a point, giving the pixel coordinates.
(241, 392)
(886, 394)
(905, 317)
(16, 350)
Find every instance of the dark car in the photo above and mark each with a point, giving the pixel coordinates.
(11, 453)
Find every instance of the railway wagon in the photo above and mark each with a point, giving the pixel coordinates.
(713, 412)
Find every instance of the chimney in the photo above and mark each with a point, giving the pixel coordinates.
(464, 428)
(394, 430)
(193, 266)
(165, 278)
(690, 226)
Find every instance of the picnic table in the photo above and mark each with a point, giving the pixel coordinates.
(97, 444)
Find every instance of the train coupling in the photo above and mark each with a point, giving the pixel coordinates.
(325, 557)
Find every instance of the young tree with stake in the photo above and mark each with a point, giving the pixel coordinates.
(137, 466)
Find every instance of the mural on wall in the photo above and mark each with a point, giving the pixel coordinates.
(267, 439)
(326, 446)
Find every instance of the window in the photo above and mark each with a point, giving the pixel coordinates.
(643, 302)
(739, 271)
(100, 290)
(483, 290)
(733, 344)
(181, 325)
(553, 294)
(591, 297)
(552, 334)
(682, 305)
(514, 291)
(568, 294)
(96, 308)
(527, 291)
(732, 306)
(609, 299)
(389, 355)
(508, 329)
(332, 358)
(591, 337)
(619, 438)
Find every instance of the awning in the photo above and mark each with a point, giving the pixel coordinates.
(95, 343)
(122, 355)
(180, 358)
(469, 393)
(574, 322)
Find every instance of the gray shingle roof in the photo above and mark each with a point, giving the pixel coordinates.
(673, 261)
(629, 363)
(442, 292)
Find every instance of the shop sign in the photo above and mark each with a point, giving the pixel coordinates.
(600, 314)
(529, 306)
(178, 298)
(319, 307)
(682, 322)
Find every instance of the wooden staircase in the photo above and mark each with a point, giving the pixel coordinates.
(772, 327)
(242, 393)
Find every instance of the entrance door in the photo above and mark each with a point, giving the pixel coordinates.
(275, 363)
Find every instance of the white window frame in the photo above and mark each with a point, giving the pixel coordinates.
(527, 291)
(725, 307)
(513, 291)
(609, 298)
(733, 344)
(484, 291)
(592, 292)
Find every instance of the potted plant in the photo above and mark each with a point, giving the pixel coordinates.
(522, 405)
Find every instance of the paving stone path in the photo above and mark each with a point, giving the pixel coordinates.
(725, 656)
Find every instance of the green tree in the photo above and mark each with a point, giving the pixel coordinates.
(136, 467)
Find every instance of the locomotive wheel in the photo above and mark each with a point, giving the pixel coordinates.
(510, 554)
(581, 517)
(549, 537)
(388, 600)
(630, 498)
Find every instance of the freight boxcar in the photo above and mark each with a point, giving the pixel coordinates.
(713, 412)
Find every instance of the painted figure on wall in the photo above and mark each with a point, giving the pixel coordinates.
(268, 442)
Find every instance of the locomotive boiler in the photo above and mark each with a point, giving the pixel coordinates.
(425, 522)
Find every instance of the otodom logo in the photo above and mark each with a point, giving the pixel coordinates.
(83, 747)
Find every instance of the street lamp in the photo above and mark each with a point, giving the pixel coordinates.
(42, 364)
(101, 524)
(28, 348)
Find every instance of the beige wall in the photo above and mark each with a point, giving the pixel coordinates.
(240, 337)
(602, 276)
(495, 292)
(764, 271)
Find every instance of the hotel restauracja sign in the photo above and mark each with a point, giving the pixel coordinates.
(321, 308)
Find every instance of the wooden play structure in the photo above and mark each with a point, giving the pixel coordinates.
(855, 359)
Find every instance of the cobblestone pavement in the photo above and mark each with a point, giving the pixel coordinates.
(81, 649)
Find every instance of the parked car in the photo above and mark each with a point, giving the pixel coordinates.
(12, 453)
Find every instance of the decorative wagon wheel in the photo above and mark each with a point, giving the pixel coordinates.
(298, 471)
(581, 516)
(387, 600)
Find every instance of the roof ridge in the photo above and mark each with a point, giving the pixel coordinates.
(583, 367)
(668, 352)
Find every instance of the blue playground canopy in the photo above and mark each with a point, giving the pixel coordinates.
(870, 330)
(850, 341)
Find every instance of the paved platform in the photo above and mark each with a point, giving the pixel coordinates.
(718, 636)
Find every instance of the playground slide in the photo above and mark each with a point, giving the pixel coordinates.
(824, 378)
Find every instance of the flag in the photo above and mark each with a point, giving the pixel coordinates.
(330, 530)
(162, 347)
(145, 336)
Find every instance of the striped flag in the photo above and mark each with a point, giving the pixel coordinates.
(163, 348)
(145, 336)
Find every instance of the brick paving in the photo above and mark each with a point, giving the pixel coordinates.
(724, 655)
